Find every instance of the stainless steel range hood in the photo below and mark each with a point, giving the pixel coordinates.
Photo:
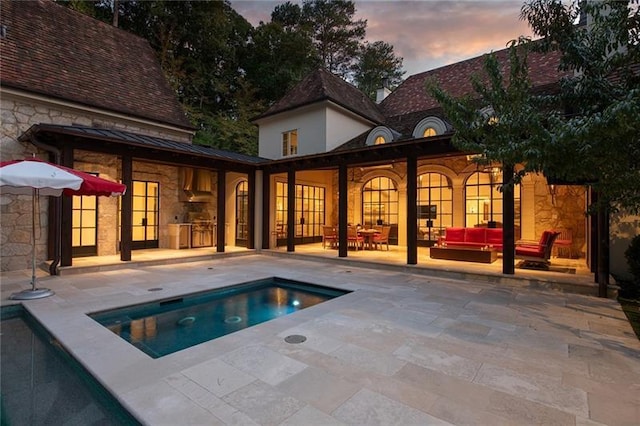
(197, 185)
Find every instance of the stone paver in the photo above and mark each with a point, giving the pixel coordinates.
(402, 348)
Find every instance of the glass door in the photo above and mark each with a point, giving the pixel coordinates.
(146, 202)
(84, 231)
(242, 213)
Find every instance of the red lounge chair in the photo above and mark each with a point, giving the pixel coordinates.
(536, 256)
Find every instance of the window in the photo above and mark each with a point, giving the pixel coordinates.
(430, 126)
(380, 135)
(310, 210)
(429, 131)
(435, 205)
(380, 205)
(484, 201)
(290, 143)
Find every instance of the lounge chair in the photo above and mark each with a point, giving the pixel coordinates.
(537, 255)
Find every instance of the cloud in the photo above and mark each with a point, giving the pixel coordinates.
(426, 34)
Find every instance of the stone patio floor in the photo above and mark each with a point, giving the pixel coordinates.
(401, 349)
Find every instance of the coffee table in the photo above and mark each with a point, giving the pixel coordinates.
(465, 254)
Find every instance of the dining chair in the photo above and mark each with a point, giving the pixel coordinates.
(382, 237)
(329, 236)
(353, 239)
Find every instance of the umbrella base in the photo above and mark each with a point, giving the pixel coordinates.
(38, 293)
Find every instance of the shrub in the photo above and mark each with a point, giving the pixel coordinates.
(632, 253)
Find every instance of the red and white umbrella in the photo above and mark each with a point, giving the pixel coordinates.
(36, 177)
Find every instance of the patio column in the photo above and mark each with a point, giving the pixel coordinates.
(291, 209)
(66, 219)
(603, 250)
(343, 196)
(412, 209)
(508, 219)
(222, 211)
(126, 210)
(266, 210)
(251, 205)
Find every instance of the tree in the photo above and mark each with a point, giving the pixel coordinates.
(336, 36)
(599, 140)
(200, 45)
(376, 66)
(277, 58)
(589, 131)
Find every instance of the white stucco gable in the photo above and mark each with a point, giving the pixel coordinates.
(320, 127)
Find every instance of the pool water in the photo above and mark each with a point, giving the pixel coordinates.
(43, 385)
(171, 325)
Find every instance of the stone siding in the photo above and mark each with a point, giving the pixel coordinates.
(18, 114)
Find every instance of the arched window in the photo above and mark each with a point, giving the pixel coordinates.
(483, 200)
(429, 131)
(380, 135)
(380, 205)
(242, 213)
(435, 206)
(430, 126)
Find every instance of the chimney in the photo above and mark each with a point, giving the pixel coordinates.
(381, 94)
(384, 91)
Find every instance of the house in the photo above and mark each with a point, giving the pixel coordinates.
(326, 115)
(93, 97)
(84, 94)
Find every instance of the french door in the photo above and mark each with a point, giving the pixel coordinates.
(145, 202)
(242, 213)
(84, 231)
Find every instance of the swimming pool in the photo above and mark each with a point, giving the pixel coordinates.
(43, 384)
(167, 326)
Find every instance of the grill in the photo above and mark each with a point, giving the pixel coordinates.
(201, 229)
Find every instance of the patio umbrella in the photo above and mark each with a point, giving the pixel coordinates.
(36, 177)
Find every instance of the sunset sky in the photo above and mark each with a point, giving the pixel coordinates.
(426, 33)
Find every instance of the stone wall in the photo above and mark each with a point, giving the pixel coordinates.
(17, 114)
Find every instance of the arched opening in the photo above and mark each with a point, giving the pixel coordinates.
(380, 205)
(483, 201)
(435, 207)
(242, 213)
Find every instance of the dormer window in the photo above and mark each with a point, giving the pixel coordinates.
(430, 126)
(380, 135)
(429, 131)
(289, 143)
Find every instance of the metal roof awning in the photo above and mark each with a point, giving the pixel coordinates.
(118, 142)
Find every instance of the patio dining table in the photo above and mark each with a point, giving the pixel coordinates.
(368, 235)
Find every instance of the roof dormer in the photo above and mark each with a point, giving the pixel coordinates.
(430, 126)
(381, 135)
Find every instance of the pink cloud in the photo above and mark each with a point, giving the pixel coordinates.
(427, 34)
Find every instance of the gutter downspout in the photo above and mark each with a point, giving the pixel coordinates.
(53, 268)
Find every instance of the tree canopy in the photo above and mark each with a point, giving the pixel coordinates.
(376, 66)
(226, 72)
(587, 132)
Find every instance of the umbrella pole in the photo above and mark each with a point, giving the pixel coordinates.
(34, 293)
(33, 239)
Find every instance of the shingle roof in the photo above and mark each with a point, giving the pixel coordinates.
(322, 85)
(54, 51)
(410, 102)
(411, 96)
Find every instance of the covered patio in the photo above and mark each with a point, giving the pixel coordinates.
(565, 275)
